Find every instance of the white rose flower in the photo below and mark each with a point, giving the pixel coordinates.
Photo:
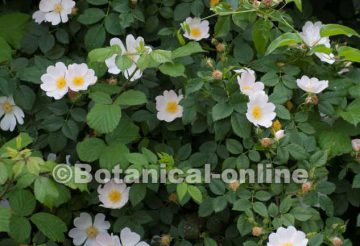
(168, 106)
(129, 238)
(287, 237)
(80, 77)
(39, 16)
(10, 114)
(260, 112)
(247, 82)
(54, 82)
(356, 144)
(312, 85)
(113, 195)
(86, 231)
(197, 29)
(311, 36)
(108, 240)
(279, 135)
(133, 48)
(54, 11)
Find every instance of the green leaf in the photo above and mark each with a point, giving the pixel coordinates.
(131, 98)
(336, 29)
(70, 130)
(19, 228)
(90, 149)
(3, 173)
(126, 132)
(113, 155)
(319, 158)
(137, 193)
(91, 16)
(172, 69)
(50, 225)
(302, 214)
(195, 193)
(123, 62)
(101, 97)
(349, 53)
(242, 205)
(181, 190)
(95, 37)
(97, 2)
(221, 111)
(335, 141)
(161, 56)
(282, 112)
(240, 125)
(356, 182)
(260, 208)
(219, 203)
(5, 50)
(285, 39)
(46, 191)
(209, 242)
(352, 112)
(22, 202)
(104, 118)
(222, 26)
(100, 54)
(187, 50)
(297, 151)
(5, 214)
(13, 27)
(261, 34)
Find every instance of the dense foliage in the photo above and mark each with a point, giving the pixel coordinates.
(180, 96)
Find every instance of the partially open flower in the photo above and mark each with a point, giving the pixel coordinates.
(266, 142)
(173, 197)
(217, 74)
(279, 134)
(234, 185)
(257, 231)
(336, 241)
(306, 187)
(356, 144)
(165, 240)
(220, 47)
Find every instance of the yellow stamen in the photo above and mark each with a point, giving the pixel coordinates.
(78, 80)
(287, 244)
(247, 88)
(58, 8)
(114, 196)
(195, 32)
(91, 232)
(61, 83)
(172, 107)
(7, 107)
(256, 112)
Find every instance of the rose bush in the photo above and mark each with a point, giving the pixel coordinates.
(141, 84)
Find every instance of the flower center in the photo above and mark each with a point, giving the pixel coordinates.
(78, 80)
(114, 196)
(91, 232)
(172, 107)
(287, 244)
(58, 8)
(195, 32)
(61, 83)
(7, 107)
(257, 113)
(247, 88)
